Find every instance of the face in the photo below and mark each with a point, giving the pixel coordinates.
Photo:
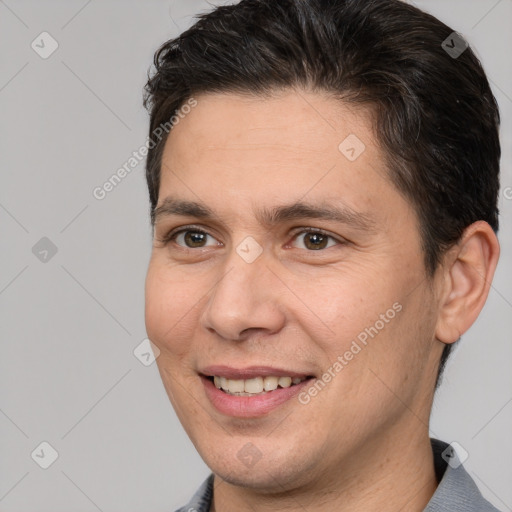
(285, 258)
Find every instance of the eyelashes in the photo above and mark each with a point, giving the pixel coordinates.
(315, 240)
(308, 238)
(194, 237)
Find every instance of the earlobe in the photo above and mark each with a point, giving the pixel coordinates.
(468, 273)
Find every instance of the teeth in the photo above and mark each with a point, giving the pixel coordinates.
(285, 382)
(254, 386)
(236, 386)
(270, 383)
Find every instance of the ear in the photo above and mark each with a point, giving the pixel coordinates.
(468, 271)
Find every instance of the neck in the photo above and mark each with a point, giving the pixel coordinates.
(396, 475)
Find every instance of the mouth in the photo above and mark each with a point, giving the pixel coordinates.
(255, 386)
(251, 392)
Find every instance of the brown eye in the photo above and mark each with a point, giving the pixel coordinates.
(314, 241)
(193, 239)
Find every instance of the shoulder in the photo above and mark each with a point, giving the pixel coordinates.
(457, 491)
(201, 501)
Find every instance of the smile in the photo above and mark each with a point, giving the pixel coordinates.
(251, 392)
(256, 385)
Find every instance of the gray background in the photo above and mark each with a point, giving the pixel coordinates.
(70, 323)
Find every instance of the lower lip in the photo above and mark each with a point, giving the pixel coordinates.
(250, 406)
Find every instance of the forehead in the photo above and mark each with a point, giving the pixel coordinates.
(232, 149)
(290, 119)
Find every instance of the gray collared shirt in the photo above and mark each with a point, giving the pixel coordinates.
(456, 492)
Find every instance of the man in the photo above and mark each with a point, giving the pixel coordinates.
(324, 214)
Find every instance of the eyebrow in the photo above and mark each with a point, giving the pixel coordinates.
(172, 206)
(301, 210)
(271, 216)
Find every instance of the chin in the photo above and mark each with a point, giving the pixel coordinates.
(267, 471)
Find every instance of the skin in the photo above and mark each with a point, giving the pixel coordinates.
(362, 443)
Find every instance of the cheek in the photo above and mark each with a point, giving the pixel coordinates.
(365, 321)
(341, 306)
(398, 356)
(171, 308)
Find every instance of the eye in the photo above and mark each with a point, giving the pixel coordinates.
(314, 240)
(192, 238)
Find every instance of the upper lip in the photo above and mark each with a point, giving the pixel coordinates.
(250, 372)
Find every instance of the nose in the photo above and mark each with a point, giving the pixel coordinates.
(245, 301)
